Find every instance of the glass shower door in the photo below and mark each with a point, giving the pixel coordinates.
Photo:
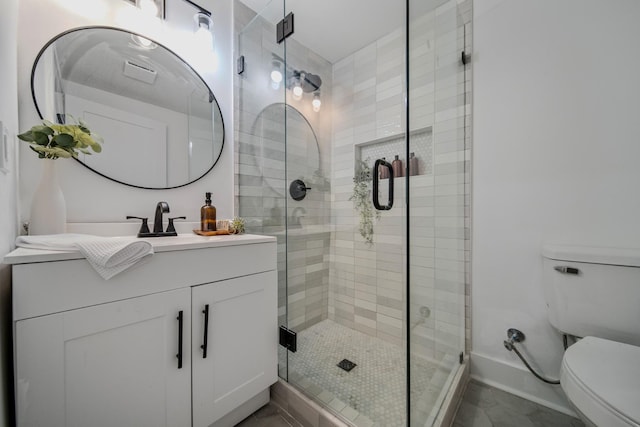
(438, 209)
(259, 100)
(375, 296)
(347, 280)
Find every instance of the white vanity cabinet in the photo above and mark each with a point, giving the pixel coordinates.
(241, 350)
(108, 365)
(130, 351)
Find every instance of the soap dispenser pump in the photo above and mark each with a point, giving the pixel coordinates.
(208, 215)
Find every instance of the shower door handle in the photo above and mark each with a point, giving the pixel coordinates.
(376, 185)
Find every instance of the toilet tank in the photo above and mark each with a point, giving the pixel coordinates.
(593, 291)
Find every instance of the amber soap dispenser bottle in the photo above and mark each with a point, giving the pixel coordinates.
(208, 215)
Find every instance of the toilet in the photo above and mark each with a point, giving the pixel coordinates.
(594, 293)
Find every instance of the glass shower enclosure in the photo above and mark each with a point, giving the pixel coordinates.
(351, 149)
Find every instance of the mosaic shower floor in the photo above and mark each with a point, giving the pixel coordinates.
(372, 393)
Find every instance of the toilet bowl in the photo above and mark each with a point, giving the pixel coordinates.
(595, 293)
(601, 379)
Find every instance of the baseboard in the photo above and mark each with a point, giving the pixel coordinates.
(518, 381)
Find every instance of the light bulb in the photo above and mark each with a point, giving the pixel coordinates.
(297, 93)
(276, 76)
(297, 90)
(204, 39)
(149, 7)
(316, 103)
(204, 30)
(276, 73)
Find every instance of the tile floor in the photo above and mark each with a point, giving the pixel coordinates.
(372, 393)
(482, 406)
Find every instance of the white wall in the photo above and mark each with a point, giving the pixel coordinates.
(556, 151)
(92, 198)
(8, 197)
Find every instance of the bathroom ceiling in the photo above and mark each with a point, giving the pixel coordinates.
(336, 28)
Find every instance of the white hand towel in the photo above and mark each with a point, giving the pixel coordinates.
(107, 255)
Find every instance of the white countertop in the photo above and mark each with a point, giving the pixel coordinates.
(160, 244)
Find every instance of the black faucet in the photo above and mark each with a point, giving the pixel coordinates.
(161, 207)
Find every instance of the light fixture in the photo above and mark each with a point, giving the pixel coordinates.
(276, 73)
(298, 81)
(297, 87)
(316, 103)
(204, 30)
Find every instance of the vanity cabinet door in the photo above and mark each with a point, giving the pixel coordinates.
(241, 344)
(108, 365)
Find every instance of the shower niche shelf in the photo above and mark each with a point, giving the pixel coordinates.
(389, 147)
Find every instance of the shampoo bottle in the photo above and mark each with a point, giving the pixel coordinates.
(396, 165)
(208, 215)
(383, 172)
(413, 164)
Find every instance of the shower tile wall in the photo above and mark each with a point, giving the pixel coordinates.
(367, 290)
(261, 183)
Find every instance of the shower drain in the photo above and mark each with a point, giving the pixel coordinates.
(346, 364)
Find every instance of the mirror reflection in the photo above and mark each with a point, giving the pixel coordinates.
(161, 124)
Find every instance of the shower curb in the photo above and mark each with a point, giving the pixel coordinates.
(311, 414)
(302, 408)
(453, 398)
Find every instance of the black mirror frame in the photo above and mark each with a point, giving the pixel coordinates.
(211, 96)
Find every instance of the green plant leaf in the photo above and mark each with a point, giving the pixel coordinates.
(52, 141)
(362, 200)
(26, 136)
(40, 155)
(64, 140)
(84, 127)
(42, 129)
(40, 138)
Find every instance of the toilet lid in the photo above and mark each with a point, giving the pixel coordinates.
(602, 378)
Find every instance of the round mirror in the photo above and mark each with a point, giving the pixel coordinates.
(303, 151)
(162, 126)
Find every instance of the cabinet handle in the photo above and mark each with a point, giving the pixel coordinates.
(206, 331)
(179, 355)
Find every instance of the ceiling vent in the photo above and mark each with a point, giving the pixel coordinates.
(139, 72)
